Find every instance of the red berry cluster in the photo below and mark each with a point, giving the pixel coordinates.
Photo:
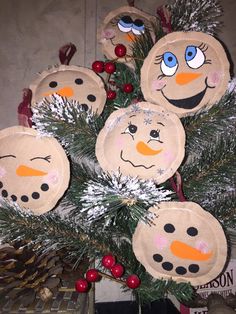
(110, 68)
(116, 269)
(100, 66)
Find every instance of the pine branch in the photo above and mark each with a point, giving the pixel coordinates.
(209, 172)
(210, 136)
(114, 197)
(123, 75)
(52, 232)
(215, 190)
(196, 15)
(143, 44)
(49, 230)
(76, 130)
(161, 288)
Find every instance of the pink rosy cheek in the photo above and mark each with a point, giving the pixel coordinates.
(160, 241)
(52, 177)
(120, 143)
(169, 156)
(202, 246)
(2, 172)
(108, 33)
(158, 85)
(214, 78)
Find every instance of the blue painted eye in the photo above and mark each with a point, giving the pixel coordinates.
(190, 53)
(194, 57)
(138, 27)
(125, 24)
(169, 64)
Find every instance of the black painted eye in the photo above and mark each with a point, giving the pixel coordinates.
(84, 107)
(192, 231)
(132, 128)
(125, 24)
(138, 23)
(53, 84)
(127, 19)
(91, 97)
(169, 228)
(154, 134)
(138, 27)
(79, 81)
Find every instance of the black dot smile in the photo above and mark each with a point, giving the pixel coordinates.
(190, 102)
(24, 198)
(180, 270)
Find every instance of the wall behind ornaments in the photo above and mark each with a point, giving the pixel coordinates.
(31, 33)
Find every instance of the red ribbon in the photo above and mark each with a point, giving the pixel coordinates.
(178, 187)
(165, 18)
(24, 111)
(130, 3)
(66, 53)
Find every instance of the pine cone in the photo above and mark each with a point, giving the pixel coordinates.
(25, 273)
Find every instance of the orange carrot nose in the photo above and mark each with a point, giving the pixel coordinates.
(144, 149)
(25, 171)
(64, 92)
(130, 37)
(185, 78)
(185, 251)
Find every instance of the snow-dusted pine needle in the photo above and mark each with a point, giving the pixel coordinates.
(196, 15)
(109, 195)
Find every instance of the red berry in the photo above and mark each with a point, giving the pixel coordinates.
(98, 66)
(128, 88)
(117, 270)
(120, 50)
(133, 281)
(108, 261)
(81, 285)
(92, 275)
(111, 94)
(110, 67)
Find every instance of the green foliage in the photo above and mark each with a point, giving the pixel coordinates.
(209, 170)
(53, 232)
(144, 44)
(196, 15)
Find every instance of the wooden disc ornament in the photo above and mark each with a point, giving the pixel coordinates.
(142, 140)
(185, 72)
(76, 83)
(34, 170)
(123, 26)
(185, 243)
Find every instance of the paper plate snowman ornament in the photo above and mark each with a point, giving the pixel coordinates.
(184, 72)
(142, 140)
(34, 170)
(123, 26)
(76, 83)
(185, 243)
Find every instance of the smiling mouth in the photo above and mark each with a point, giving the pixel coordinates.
(136, 166)
(190, 102)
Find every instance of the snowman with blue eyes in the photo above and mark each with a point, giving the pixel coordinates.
(185, 72)
(123, 26)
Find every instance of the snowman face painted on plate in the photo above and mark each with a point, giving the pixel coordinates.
(185, 243)
(142, 140)
(185, 71)
(77, 83)
(34, 171)
(123, 26)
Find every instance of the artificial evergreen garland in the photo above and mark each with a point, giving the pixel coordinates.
(118, 202)
(198, 15)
